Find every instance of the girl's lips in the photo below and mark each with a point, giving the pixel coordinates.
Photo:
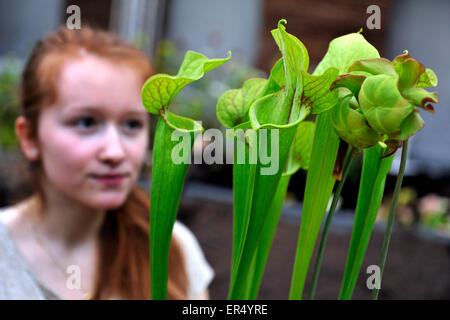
(110, 180)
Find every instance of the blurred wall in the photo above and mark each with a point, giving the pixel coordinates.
(214, 27)
(139, 21)
(22, 22)
(317, 22)
(423, 27)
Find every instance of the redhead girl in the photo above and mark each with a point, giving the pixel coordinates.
(84, 234)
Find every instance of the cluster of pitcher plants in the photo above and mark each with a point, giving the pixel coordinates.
(358, 101)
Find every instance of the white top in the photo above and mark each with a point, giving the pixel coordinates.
(199, 272)
(14, 267)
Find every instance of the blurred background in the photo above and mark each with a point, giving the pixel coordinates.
(419, 256)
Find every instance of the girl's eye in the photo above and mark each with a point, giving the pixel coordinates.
(85, 123)
(133, 124)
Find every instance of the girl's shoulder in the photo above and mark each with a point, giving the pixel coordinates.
(9, 215)
(8, 219)
(189, 243)
(199, 272)
(16, 280)
(7, 212)
(184, 234)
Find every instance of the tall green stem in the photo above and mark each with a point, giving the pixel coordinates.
(167, 186)
(347, 164)
(390, 223)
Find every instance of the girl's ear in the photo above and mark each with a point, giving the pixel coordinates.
(27, 142)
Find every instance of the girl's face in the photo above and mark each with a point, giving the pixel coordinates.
(93, 140)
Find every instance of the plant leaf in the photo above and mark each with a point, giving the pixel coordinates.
(295, 60)
(420, 97)
(382, 104)
(276, 79)
(295, 55)
(268, 109)
(298, 157)
(351, 126)
(352, 82)
(277, 113)
(344, 51)
(410, 126)
(233, 105)
(374, 67)
(258, 204)
(167, 185)
(167, 175)
(370, 194)
(244, 176)
(252, 215)
(160, 89)
(427, 79)
(266, 240)
(409, 72)
(301, 147)
(319, 184)
(317, 95)
(341, 54)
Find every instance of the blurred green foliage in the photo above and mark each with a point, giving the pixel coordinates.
(434, 212)
(9, 102)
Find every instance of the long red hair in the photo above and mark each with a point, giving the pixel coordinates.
(124, 246)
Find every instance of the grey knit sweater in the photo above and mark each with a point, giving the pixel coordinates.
(18, 281)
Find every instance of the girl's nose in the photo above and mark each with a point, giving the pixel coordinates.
(113, 150)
